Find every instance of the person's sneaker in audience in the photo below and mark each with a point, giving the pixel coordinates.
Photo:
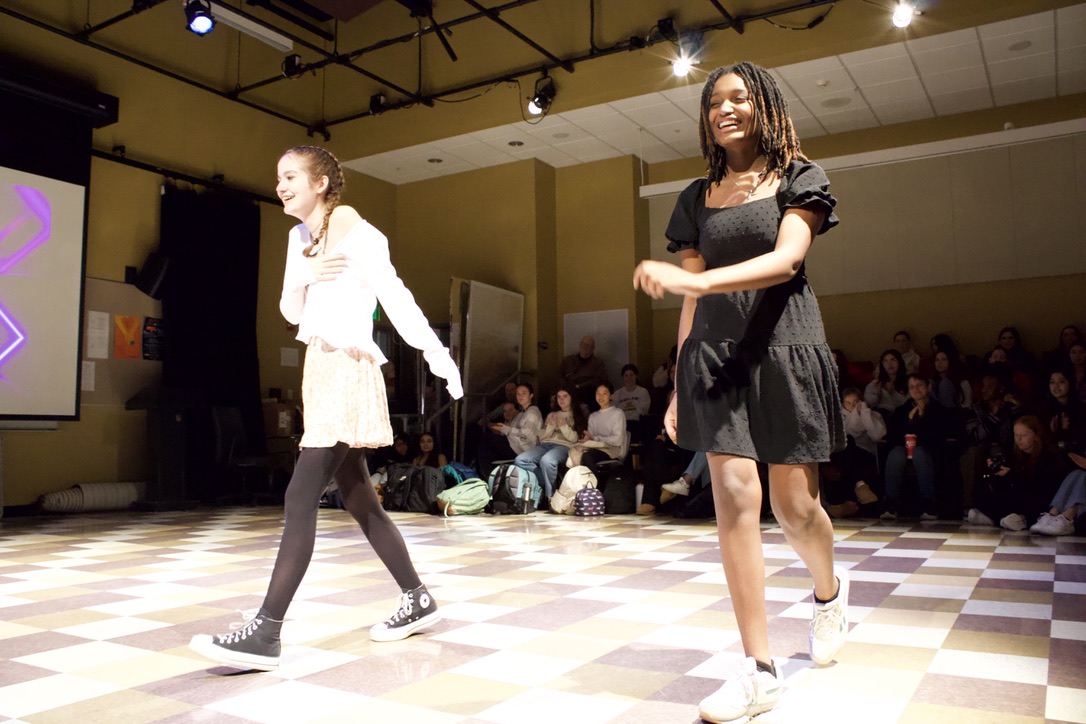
(977, 517)
(846, 509)
(1014, 521)
(670, 490)
(865, 494)
(1042, 523)
(1058, 525)
(888, 515)
(646, 509)
(928, 516)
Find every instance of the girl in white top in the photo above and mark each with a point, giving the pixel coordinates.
(606, 432)
(337, 269)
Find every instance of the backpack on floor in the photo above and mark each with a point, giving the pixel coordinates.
(618, 493)
(456, 473)
(588, 502)
(397, 483)
(427, 482)
(468, 498)
(575, 479)
(513, 490)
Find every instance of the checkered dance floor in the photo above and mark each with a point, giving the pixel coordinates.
(547, 619)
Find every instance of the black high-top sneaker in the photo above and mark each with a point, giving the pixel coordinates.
(254, 645)
(417, 611)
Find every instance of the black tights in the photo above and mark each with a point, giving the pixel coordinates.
(314, 468)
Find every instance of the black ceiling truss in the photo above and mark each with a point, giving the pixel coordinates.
(636, 42)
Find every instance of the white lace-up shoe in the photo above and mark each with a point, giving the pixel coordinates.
(747, 692)
(830, 623)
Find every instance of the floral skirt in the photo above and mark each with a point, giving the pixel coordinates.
(343, 393)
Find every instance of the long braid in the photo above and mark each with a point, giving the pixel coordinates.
(779, 142)
(320, 162)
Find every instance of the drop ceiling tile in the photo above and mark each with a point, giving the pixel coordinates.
(1019, 45)
(837, 103)
(1068, 59)
(902, 112)
(1021, 91)
(683, 93)
(874, 55)
(666, 112)
(453, 142)
(628, 104)
(973, 99)
(1071, 82)
(1017, 25)
(448, 167)
(952, 81)
(1073, 13)
(829, 64)
(501, 137)
(589, 112)
(1034, 66)
(658, 153)
(539, 123)
(808, 127)
(898, 91)
(786, 90)
(588, 149)
(676, 131)
(820, 84)
(556, 133)
(1071, 33)
(944, 59)
(943, 41)
(687, 148)
(850, 120)
(482, 154)
(613, 122)
(691, 107)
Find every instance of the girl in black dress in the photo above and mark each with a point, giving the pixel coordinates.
(756, 380)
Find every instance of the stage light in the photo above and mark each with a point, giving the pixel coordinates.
(681, 67)
(903, 14)
(543, 97)
(198, 16)
(690, 46)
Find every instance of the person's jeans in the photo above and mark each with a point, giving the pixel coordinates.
(923, 464)
(543, 460)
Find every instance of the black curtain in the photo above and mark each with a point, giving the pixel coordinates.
(211, 243)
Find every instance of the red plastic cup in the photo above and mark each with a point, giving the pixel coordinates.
(910, 445)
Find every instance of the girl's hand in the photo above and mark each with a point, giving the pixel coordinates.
(326, 267)
(656, 278)
(671, 419)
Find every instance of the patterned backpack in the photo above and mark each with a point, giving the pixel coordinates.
(575, 479)
(588, 501)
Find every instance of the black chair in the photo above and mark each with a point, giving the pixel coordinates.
(234, 459)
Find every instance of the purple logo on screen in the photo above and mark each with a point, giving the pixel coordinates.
(34, 206)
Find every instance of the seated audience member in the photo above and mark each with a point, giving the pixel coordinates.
(660, 459)
(1076, 369)
(849, 488)
(1017, 357)
(1015, 494)
(428, 453)
(941, 342)
(398, 452)
(498, 411)
(633, 400)
(695, 476)
(582, 372)
(988, 428)
(1064, 414)
(927, 420)
(1019, 385)
(1057, 357)
(605, 434)
(504, 441)
(949, 385)
(661, 378)
(564, 426)
(1067, 506)
(889, 390)
(903, 343)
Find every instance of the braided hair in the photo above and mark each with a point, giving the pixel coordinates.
(778, 141)
(319, 162)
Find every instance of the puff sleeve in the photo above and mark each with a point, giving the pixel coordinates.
(682, 229)
(805, 184)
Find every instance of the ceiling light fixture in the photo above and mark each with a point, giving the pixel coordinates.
(243, 24)
(198, 16)
(903, 14)
(544, 94)
(690, 45)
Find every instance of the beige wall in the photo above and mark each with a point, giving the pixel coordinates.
(567, 238)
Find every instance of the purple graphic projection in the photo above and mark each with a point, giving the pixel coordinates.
(41, 262)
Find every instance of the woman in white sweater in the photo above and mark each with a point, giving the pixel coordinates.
(605, 435)
(337, 269)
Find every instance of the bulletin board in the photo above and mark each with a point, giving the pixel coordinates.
(111, 381)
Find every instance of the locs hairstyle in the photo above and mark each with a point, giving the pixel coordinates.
(778, 140)
(320, 162)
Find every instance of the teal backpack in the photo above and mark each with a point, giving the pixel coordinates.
(468, 498)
